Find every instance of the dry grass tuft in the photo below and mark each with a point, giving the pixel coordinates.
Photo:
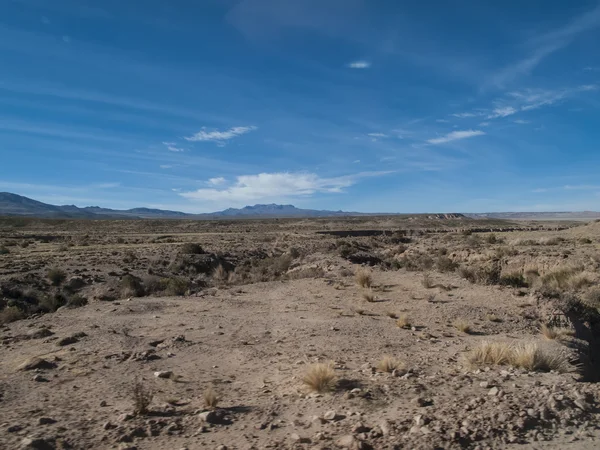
(389, 364)
(11, 314)
(363, 278)
(221, 275)
(142, 398)
(490, 353)
(359, 311)
(531, 357)
(427, 282)
(320, 378)
(493, 318)
(463, 326)
(368, 296)
(403, 321)
(556, 333)
(211, 399)
(527, 356)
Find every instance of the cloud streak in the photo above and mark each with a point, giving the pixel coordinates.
(273, 186)
(219, 136)
(455, 136)
(359, 65)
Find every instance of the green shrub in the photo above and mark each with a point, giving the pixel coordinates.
(56, 276)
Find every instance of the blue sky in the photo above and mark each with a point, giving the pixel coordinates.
(375, 106)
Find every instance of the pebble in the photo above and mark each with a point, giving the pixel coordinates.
(330, 415)
(163, 374)
(46, 421)
(40, 379)
(493, 391)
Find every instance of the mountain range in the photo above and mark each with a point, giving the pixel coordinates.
(18, 205)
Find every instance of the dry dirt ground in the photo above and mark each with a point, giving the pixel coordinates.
(252, 311)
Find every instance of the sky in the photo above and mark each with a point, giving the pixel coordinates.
(354, 105)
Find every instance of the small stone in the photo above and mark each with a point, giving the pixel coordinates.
(330, 415)
(163, 374)
(295, 437)
(347, 441)
(125, 417)
(36, 444)
(484, 384)
(46, 421)
(37, 363)
(419, 401)
(40, 379)
(385, 427)
(222, 447)
(493, 392)
(360, 428)
(419, 420)
(103, 403)
(14, 428)
(108, 426)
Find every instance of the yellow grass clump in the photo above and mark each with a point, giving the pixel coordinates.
(368, 295)
(388, 364)
(211, 399)
(463, 326)
(320, 378)
(363, 278)
(403, 321)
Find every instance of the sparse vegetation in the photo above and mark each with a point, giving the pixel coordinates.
(211, 399)
(529, 356)
(389, 364)
(463, 326)
(555, 333)
(403, 321)
(10, 314)
(427, 282)
(191, 249)
(368, 295)
(142, 398)
(363, 278)
(320, 378)
(56, 276)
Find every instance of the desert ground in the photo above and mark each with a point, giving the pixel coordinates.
(417, 332)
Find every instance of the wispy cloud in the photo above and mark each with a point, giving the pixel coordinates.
(217, 181)
(502, 111)
(275, 186)
(544, 45)
(484, 124)
(377, 135)
(521, 121)
(172, 146)
(359, 65)
(465, 115)
(166, 166)
(219, 136)
(455, 136)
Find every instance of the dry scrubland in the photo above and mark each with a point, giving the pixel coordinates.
(419, 333)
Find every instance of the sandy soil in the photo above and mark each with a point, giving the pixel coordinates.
(252, 343)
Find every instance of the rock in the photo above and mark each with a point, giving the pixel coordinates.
(108, 426)
(163, 374)
(419, 420)
(484, 384)
(360, 428)
(46, 421)
(385, 427)
(36, 444)
(125, 417)
(493, 392)
(67, 341)
(39, 334)
(103, 403)
(215, 417)
(419, 401)
(295, 437)
(349, 441)
(222, 447)
(330, 415)
(37, 363)
(40, 379)
(14, 428)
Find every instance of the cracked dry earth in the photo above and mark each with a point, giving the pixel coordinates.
(66, 378)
